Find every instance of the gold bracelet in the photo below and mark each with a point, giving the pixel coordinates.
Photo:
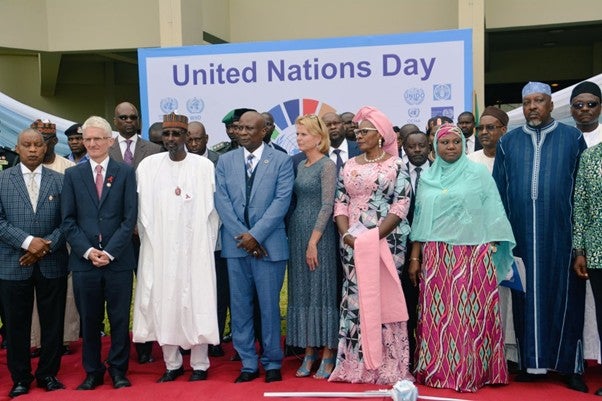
(416, 259)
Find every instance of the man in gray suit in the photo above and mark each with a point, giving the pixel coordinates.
(33, 257)
(129, 147)
(253, 192)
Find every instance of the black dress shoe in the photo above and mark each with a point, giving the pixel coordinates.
(273, 375)
(145, 358)
(227, 338)
(216, 350)
(524, 377)
(91, 382)
(198, 375)
(575, 382)
(599, 391)
(120, 381)
(35, 353)
(19, 388)
(3, 344)
(66, 349)
(246, 377)
(171, 375)
(50, 383)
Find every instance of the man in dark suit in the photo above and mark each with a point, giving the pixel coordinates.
(33, 256)
(341, 149)
(99, 208)
(416, 148)
(253, 192)
(129, 147)
(466, 122)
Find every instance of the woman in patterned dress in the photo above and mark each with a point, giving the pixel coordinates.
(312, 311)
(371, 205)
(461, 250)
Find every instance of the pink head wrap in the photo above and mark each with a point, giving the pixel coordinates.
(448, 129)
(382, 124)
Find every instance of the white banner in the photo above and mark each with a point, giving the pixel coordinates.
(410, 77)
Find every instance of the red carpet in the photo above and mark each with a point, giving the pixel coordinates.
(222, 373)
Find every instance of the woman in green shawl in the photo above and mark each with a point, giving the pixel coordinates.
(462, 243)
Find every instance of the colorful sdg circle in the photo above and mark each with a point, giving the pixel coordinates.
(285, 115)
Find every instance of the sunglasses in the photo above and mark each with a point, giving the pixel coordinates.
(124, 117)
(315, 117)
(580, 105)
(488, 127)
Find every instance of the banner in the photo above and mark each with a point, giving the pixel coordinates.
(410, 77)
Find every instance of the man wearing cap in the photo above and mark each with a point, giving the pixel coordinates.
(51, 159)
(175, 301)
(129, 147)
(232, 128)
(585, 109)
(535, 168)
(76, 144)
(587, 231)
(492, 125)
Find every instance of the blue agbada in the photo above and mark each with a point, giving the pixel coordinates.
(458, 203)
(535, 170)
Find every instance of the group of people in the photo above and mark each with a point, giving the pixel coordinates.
(398, 247)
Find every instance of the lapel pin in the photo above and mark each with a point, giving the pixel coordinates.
(266, 161)
(178, 191)
(50, 198)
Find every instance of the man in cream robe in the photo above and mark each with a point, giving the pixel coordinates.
(175, 302)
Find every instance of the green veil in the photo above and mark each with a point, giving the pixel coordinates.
(458, 203)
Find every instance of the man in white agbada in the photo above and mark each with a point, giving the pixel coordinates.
(175, 301)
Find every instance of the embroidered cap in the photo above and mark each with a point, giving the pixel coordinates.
(44, 127)
(537, 87)
(173, 120)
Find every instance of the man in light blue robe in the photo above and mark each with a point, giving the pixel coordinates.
(535, 169)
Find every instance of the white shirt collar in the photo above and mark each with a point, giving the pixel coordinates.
(25, 170)
(103, 163)
(257, 153)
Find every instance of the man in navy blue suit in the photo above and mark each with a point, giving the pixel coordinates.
(99, 208)
(33, 256)
(254, 186)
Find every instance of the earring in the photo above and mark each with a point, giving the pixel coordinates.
(380, 143)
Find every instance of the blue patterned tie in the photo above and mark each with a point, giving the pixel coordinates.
(337, 152)
(249, 164)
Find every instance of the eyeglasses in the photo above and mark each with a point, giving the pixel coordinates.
(124, 117)
(363, 131)
(99, 139)
(580, 105)
(488, 127)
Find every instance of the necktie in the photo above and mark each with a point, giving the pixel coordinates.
(98, 180)
(339, 159)
(128, 157)
(249, 164)
(33, 190)
(417, 170)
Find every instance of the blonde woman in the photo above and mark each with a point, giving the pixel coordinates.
(312, 318)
